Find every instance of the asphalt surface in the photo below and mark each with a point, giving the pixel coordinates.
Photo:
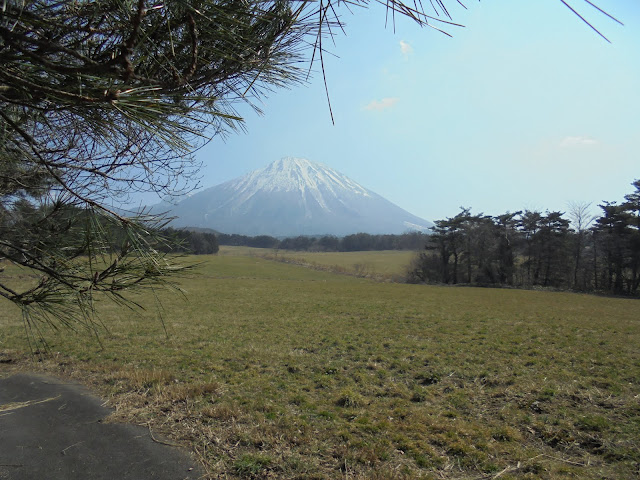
(51, 429)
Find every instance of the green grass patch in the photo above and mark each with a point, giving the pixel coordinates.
(251, 464)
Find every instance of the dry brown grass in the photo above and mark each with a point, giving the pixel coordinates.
(274, 371)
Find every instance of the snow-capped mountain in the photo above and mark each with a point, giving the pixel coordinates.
(289, 197)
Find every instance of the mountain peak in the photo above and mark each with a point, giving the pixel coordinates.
(291, 162)
(294, 196)
(299, 174)
(295, 163)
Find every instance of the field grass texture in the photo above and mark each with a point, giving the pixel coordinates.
(270, 370)
(386, 265)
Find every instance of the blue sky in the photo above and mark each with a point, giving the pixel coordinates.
(525, 107)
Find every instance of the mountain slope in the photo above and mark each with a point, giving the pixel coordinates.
(293, 196)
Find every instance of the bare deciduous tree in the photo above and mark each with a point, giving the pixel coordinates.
(581, 218)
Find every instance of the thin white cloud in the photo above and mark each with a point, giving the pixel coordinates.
(405, 48)
(379, 105)
(578, 141)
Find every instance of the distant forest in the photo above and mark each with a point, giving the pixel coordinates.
(329, 243)
(576, 250)
(189, 241)
(201, 241)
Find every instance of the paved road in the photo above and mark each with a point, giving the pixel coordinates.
(53, 430)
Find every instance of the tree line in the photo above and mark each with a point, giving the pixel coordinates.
(28, 230)
(573, 250)
(189, 241)
(329, 243)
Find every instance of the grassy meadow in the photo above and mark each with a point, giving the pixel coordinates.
(380, 265)
(273, 370)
